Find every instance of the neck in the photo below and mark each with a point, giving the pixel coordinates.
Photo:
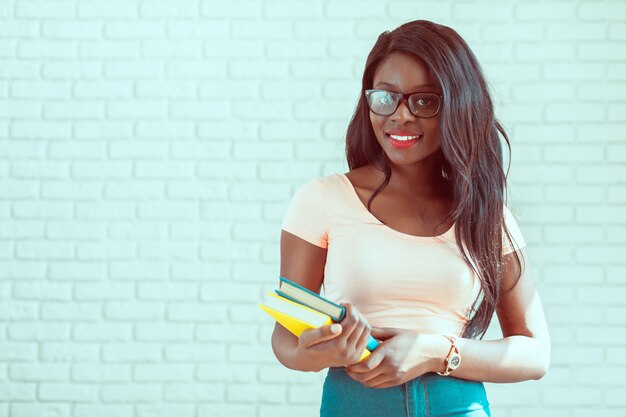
(422, 179)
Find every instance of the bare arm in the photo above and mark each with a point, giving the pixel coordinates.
(316, 349)
(524, 351)
(522, 354)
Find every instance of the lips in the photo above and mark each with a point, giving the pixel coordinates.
(403, 138)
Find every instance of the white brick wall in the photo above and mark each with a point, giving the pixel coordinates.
(148, 150)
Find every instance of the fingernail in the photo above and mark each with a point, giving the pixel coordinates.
(335, 328)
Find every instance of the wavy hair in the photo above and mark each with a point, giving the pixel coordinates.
(471, 152)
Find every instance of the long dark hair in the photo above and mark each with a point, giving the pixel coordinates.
(471, 152)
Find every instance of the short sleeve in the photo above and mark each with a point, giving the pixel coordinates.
(514, 231)
(306, 214)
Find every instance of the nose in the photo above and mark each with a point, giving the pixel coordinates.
(402, 113)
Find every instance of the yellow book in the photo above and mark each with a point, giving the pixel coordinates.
(296, 317)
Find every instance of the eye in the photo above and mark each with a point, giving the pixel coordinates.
(424, 102)
(384, 99)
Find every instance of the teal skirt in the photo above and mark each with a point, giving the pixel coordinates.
(429, 395)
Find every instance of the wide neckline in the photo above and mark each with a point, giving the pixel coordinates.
(355, 198)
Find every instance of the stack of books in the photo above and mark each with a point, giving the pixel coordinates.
(298, 309)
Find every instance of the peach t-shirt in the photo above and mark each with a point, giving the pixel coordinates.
(393, 278)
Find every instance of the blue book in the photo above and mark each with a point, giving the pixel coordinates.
(304, 296)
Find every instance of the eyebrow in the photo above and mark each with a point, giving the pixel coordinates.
(417, 86)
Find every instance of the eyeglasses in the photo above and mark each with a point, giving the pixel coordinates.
(385, 103)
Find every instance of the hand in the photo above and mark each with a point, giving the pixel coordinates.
(325, 348)
(402, 356)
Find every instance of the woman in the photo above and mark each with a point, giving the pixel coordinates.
(416, 242)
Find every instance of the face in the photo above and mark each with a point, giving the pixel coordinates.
(404, 73)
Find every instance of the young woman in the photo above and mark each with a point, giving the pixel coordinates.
(416, 242)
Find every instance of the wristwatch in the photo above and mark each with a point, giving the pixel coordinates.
(453, 360)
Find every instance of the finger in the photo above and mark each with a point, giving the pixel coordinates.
(350, 320)
(383, 333)
(372, 362)
(380, 381)
(312, 337)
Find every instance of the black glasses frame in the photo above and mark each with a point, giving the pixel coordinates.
(398, 97)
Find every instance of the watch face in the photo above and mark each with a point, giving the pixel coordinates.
(455, 361)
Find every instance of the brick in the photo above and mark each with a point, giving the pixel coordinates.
(71, 311)
(600, 51)
(112, 210)
(71, 30)
(601, 174)
(164, 130)
(300, 49)
(433, 9)
(111, 9)
(580, 112)
(40, 410)
(46, 9)
(602, 11)
(39, 331)
(143, 69)
(544, 52)
(545, 11)
(136, 30)
(163, 372)
(194, 312)
(43, 170)
(17, 109)
(170, 89)
(102, 332)
(18, 352)
(21, 229)
(136, 110)
(499, 32)
(135, 393)
(165, 410)
(606, 91)
(103, 89)
(41, 89)
(98, 291)
(580, 153)
(103, 410)
(39, 372)
(314, 69)
(194, 70)
(76, 271)
(44, 250)
(283, 9)
(214, 271)
(231, 48)
(198, 29)
(101, 170)
(109, 49)
(610, 132)
(196, 352)
(67, 352)
(42, 290)
(20, 189)
(225, 410)
(174, 291)
(616, 71)
(253, 191)
(18, 311)
(481, 12)
(103, 130)
(197, 392)
(171, 49)
(19, 70)
(133, 311)
(75, 70)
(44, 49)
(101, 373)
(77, 110)
(617, 194)
(18, 391)
(132, 352)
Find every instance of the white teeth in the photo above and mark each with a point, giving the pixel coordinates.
(395, 137)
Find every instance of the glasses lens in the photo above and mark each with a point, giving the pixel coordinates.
(381, 102)
(424, 104)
